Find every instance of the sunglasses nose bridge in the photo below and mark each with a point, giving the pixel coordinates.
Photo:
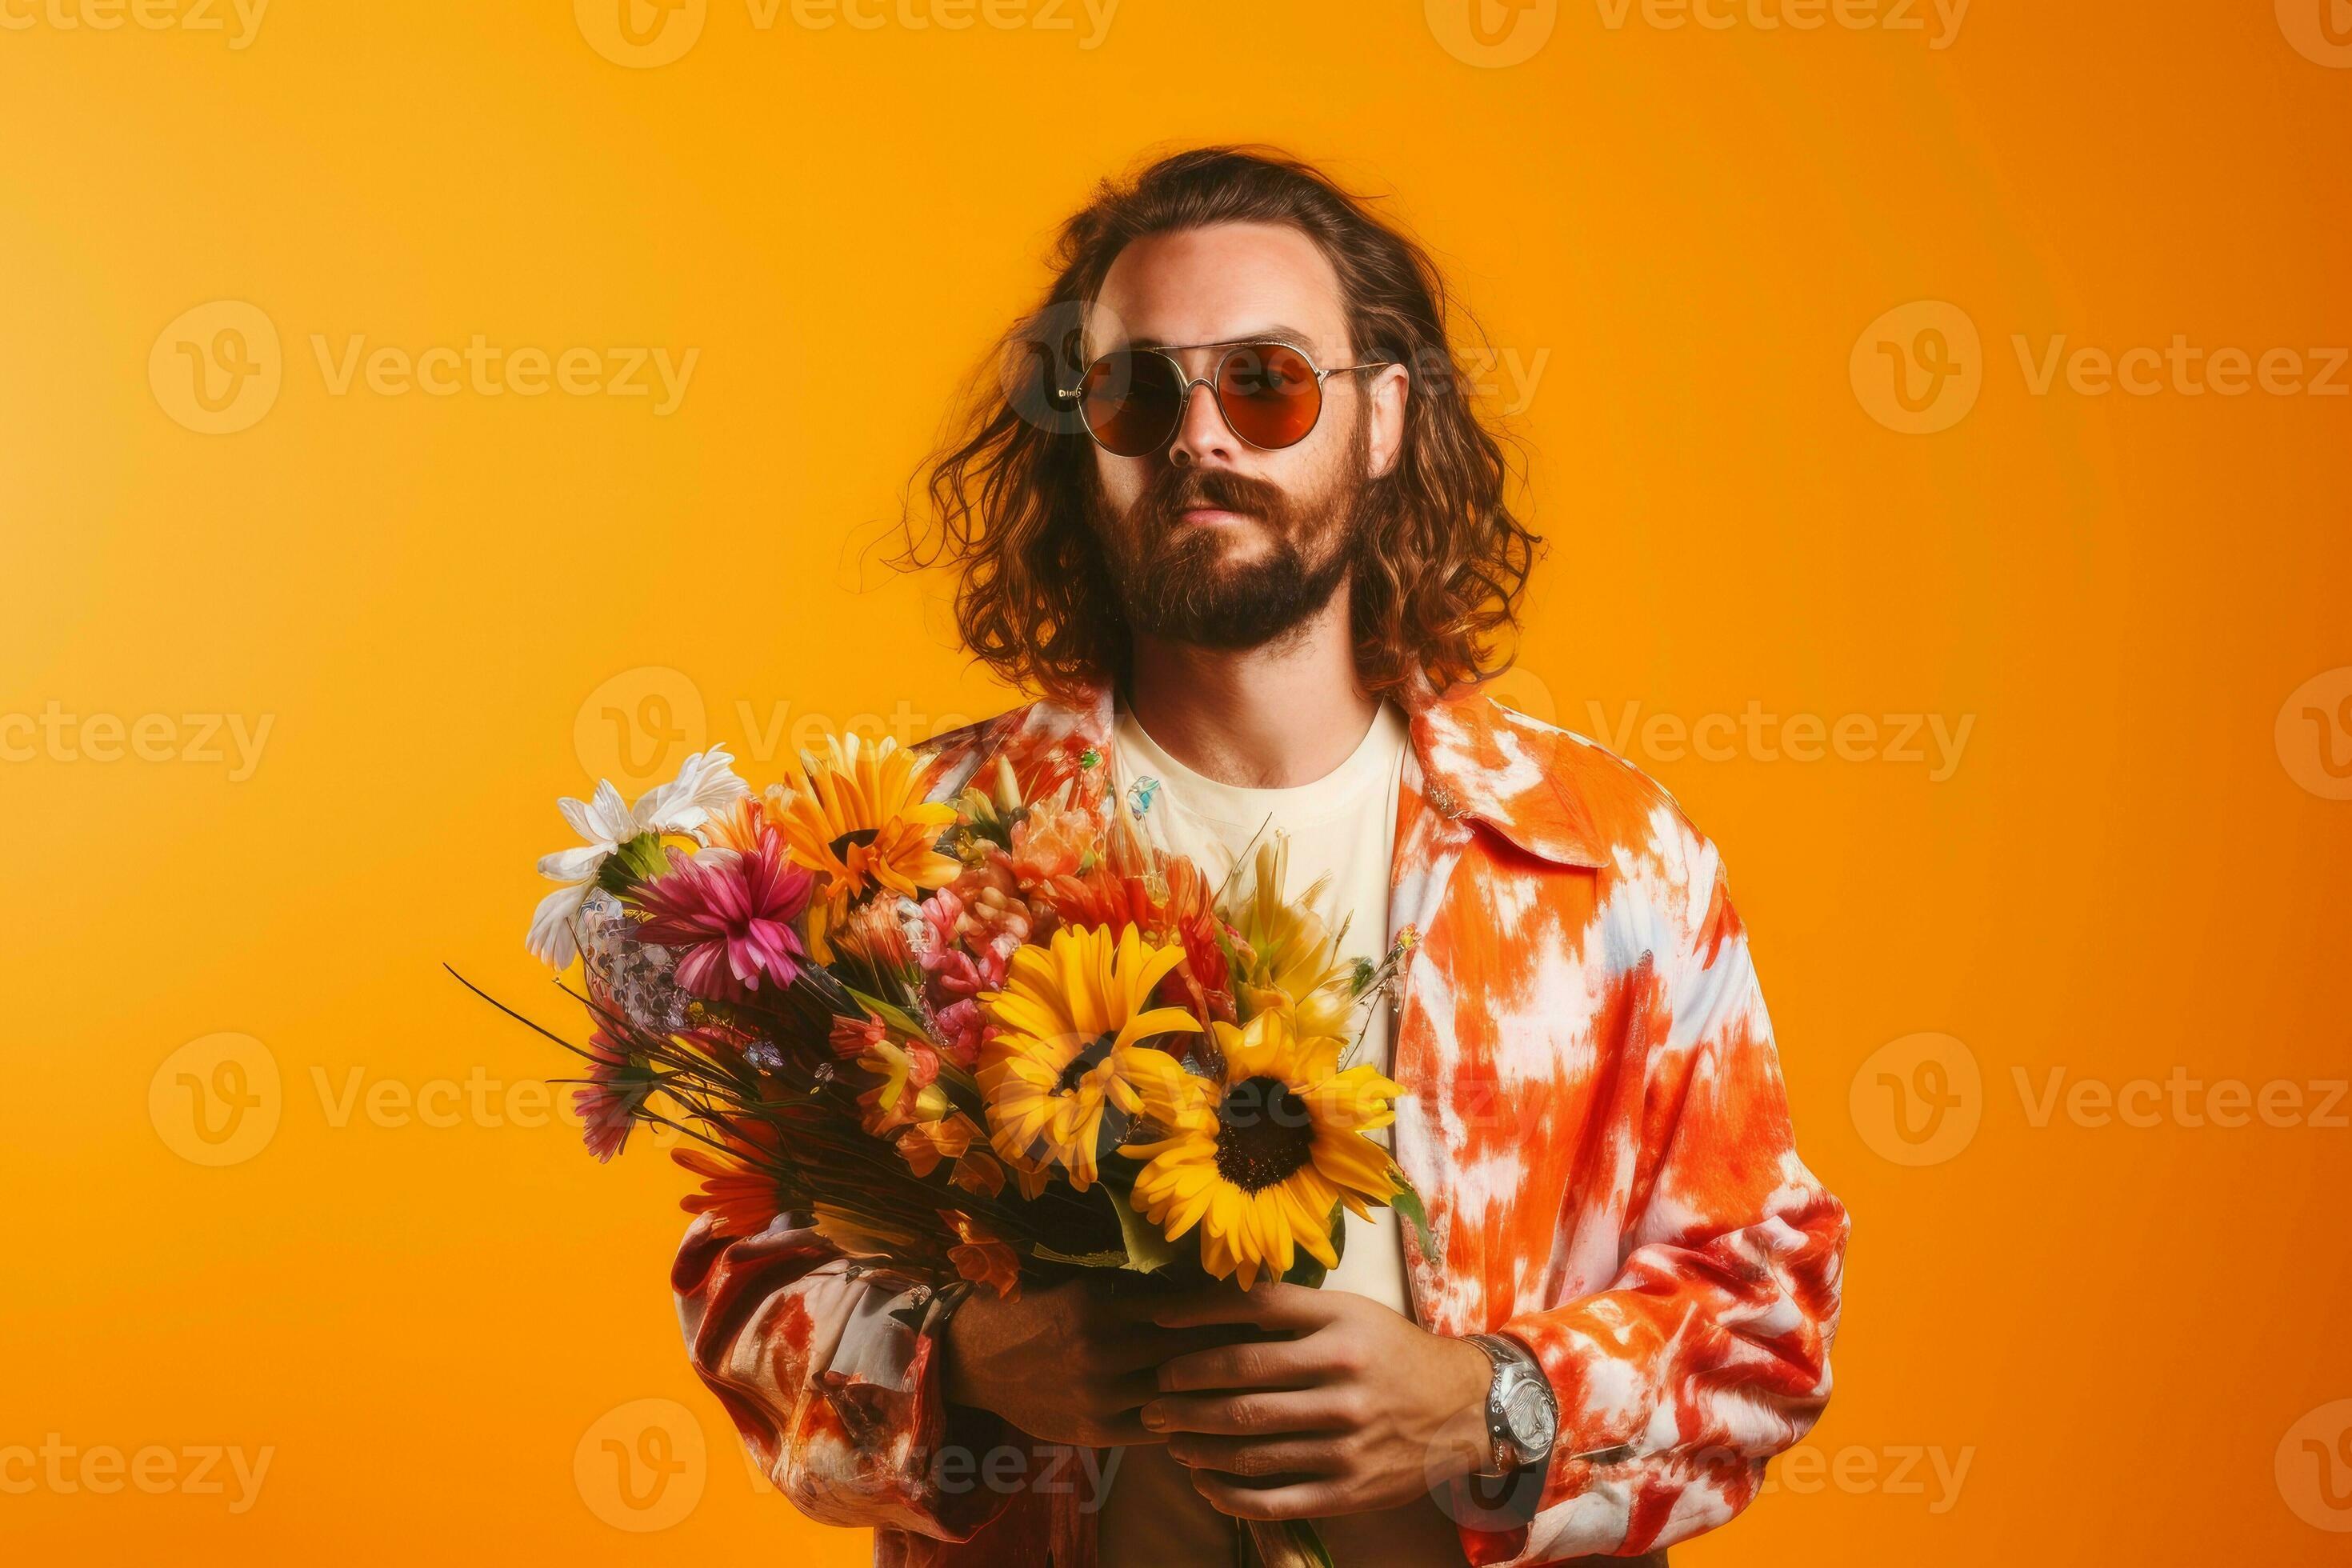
(1176, 439)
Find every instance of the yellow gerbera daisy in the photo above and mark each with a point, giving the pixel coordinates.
(1290, 959)
(1261, 1155)
(1063, 1080)
(857, 814)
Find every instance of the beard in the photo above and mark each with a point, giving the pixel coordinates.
(1173, 581)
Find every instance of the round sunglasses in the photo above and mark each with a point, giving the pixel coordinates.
(1271, 395)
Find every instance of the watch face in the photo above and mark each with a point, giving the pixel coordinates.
(1526, 1410)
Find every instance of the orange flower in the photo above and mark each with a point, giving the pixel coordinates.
(1052, 841)
(982, 1259)
(739, 827)
(858, 815)
(979, 1173)
(739, 1187)
(951, 1137)
(852, 1038)
(1167, 898)
(909, 1090)
(926, 1144)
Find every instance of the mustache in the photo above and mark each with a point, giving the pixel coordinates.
(1178, 490)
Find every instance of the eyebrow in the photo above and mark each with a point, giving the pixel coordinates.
(1291, 337)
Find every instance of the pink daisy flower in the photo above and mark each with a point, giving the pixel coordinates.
(608, 1101)
(730, 918)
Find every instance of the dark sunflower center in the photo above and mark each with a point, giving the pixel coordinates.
(857, 836)
(1264, 1133)
(1084, 1062)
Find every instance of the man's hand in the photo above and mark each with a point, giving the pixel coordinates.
(1361, 1410)
(1070, 1363)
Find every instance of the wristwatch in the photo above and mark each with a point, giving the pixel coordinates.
(1522, 1415)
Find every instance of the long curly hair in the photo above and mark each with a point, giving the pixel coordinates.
(1441, 561)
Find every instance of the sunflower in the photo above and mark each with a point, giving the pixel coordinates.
(1260, 1156)
(1064, 1078)
(857, 814)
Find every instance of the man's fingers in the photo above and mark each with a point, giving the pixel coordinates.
(1143, 1346)
(1254, 1456)
(1132, 1391)
(1251, 1414)
(1270, 1304)
(1262, 1363)
(1238, 1499)
(1122, 1431)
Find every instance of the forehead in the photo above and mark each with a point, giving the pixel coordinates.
(1215, 284)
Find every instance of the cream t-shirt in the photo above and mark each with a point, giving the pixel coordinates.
(1342, 827)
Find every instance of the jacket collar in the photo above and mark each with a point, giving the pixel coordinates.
(1478, 760)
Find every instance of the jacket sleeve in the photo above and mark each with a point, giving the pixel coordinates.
(831, 1372)
(1708, 1352)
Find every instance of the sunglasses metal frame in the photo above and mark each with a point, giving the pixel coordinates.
(1186, 383)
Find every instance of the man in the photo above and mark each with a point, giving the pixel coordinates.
(1254, 555)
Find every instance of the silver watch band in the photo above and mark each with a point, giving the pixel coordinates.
(1515, 1367)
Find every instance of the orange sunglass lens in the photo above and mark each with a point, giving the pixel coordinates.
(1131, 402)
(1269, 394)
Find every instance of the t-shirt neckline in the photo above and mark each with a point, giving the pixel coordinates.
(1367, 768)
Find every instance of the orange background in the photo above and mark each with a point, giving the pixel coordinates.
(2118, 1330)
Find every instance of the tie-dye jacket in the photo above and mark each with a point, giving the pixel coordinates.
(1593, 1114)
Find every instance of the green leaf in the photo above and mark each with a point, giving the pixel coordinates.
(1147, 1249)
(1111, 1258)
(632, 865)
(1407, 1204)
(897, 1018)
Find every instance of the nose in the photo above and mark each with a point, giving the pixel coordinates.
(1202, 434)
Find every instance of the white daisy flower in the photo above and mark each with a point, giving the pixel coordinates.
(704, 783)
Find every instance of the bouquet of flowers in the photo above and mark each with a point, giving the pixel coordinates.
(980, 1041)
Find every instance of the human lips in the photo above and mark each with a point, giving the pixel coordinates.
(1211, 516)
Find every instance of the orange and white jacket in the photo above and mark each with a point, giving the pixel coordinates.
(1594, 1117)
